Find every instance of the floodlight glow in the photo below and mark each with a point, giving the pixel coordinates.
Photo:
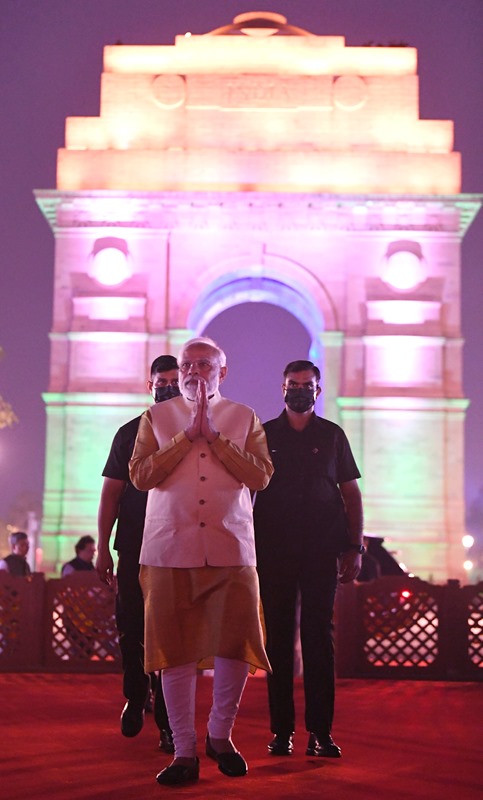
(467, 541)
(403, 270)
(403, 360)
(123, 132)
(112, 308)
(468, 566)
(403, 312)
(110, 266)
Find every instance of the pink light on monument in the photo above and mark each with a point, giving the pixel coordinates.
(260, 163)
(404, 265)
(110, 261)
(403, 312)
(109, 308)
(403, 361)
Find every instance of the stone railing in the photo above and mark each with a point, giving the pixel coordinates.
(401, 627)
(58, 625)
(393, 627)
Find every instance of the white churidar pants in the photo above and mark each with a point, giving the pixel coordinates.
(179, 689)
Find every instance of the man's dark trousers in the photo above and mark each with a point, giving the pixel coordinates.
(315, 581)
(130, 625)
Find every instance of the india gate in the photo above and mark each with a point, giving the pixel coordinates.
(260, 162)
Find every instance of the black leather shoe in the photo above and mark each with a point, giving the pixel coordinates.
(166, 743)
(177, 774)
(132, 719)
(322, 747)
(281, 745)
(232, 764)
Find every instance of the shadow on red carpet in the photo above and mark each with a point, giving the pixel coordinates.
(400, 740)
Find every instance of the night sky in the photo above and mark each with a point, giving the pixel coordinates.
(50, 68)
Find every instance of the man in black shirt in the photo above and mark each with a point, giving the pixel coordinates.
(120, 500)
(308, 532)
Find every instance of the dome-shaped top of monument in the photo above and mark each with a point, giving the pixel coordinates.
(259, 24)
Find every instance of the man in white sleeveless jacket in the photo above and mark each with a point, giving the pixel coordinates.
(199, 456)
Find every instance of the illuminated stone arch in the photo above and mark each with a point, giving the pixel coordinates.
(284, 283)
(336, 192)
(225, 294)
(271, 279)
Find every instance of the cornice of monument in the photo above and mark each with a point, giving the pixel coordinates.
(258, 210)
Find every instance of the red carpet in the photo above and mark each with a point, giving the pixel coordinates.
(401, 740)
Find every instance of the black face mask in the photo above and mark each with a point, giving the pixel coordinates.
(300, 400)
(162, 393)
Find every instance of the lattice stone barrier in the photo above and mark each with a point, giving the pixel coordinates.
(475, 623)
(59, 625)
(80, 623)
(21, 622)
(401, 627)
(394, 627)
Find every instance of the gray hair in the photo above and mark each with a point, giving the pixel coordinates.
(206, 342)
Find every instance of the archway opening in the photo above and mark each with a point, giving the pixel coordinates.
(259, 340)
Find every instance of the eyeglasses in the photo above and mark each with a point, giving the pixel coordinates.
(202, 365)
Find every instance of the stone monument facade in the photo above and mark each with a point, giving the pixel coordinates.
(261, 162)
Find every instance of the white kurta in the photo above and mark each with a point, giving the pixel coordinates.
(199, 509)
(198, 573)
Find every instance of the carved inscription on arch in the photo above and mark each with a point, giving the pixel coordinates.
(321, 93)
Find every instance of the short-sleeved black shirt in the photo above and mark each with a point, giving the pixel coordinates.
(301, 510)
(132, 508)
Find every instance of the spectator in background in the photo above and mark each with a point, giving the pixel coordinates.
(85, 551)
(16, 562)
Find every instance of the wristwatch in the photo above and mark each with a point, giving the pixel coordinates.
(359, 547)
